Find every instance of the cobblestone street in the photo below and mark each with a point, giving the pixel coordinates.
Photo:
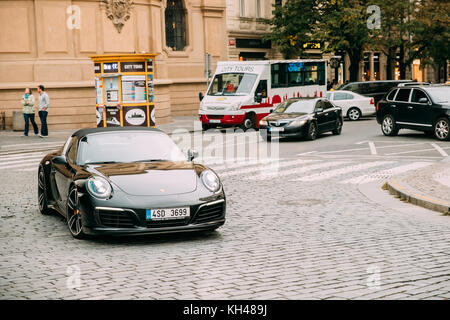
(314, 238)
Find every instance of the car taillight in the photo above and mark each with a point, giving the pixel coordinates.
(378, 105)
(371, 101)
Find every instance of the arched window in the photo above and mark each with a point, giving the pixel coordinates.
(175, 25)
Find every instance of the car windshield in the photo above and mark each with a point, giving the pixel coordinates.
(296, 106)
(112, 147)
(439, 95)
(232, 84)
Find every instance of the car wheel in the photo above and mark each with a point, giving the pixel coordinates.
(42, 193)
(74, 214)
(354, 114)
(312, 131)
(388, 126)
(442, 129)
(249, 122)
(205, 127)
(338, 129)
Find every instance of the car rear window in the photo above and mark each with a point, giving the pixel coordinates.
(403, 95)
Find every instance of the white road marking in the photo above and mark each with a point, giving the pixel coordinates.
(44, 144)
(21, 165)
(413, 151)
(22, 156)
(337, 172)
(373, 150)
(305, 153)
(265, 167)
(2, 164)
(439, 149)
(297, 170)
(386, 174)
(338, 151)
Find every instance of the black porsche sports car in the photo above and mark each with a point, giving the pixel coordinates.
(129, 181)
(302, 118)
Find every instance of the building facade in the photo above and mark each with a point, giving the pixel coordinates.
(49, 42)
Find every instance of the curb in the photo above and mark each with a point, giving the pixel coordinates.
(405, 193)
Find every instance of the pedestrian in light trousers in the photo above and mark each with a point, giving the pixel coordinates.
(29, 111)
(43, 104)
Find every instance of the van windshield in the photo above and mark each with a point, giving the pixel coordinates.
(232, 84)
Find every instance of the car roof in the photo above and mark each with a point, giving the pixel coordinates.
(84, 132)
(377, 81)
(305, 98)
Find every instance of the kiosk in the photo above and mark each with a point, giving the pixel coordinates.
(124, 90)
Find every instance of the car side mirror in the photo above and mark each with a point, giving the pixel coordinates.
(60, 160)
(192, 154)
(258, 98)
(423, 100)
(200, 96)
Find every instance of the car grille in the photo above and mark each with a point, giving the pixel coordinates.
(210, 213)
(213, 116)
(166, 223)
(116, 219)
(278, 124)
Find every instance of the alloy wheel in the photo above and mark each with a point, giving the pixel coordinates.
(73, 214)
(41, 191)
(354, 114)
(388, 125)
(441, 129)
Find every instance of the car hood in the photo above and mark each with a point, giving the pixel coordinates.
(285, 116)
(148, 179)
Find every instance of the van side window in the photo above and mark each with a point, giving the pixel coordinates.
(262, 88)
(279, 75)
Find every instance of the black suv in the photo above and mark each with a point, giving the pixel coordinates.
(375, 89)
(423, 108)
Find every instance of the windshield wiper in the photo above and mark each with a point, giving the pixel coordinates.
(101, 162)
(151, 160)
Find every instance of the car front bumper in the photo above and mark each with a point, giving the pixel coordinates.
(100, 218)
(287, 132)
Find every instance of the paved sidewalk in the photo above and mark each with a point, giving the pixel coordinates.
(427, 187)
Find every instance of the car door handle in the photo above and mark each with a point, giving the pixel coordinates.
(409, 107)
(393, 105)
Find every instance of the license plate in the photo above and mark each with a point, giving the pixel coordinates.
(168, 213)
(275, 129)
(214, 121)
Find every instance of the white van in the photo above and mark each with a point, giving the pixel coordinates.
(243, 92)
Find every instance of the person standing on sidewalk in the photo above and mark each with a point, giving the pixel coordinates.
(29, 111)
(43, 104)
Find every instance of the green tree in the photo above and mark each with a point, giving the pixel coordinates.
(430, 35)
(290, 26)
(342, 24)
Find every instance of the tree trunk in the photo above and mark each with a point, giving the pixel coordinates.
(390, 63)
(402, 62)
(355, 58)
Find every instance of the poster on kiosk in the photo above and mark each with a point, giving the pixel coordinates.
(124, 90)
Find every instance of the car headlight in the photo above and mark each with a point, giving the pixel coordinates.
(297, 123)
(210, 180)
(98, 187)
(263, 122)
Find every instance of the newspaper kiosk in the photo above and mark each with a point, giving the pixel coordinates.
(124, 90)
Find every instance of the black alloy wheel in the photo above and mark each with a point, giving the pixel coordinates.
(42, 193)
(74, 221)
(338, 129)
(312, 131)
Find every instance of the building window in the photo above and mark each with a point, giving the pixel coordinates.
(259, 13)
(366, 72)
(175, 25)
(376, 66)
(242, 8)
